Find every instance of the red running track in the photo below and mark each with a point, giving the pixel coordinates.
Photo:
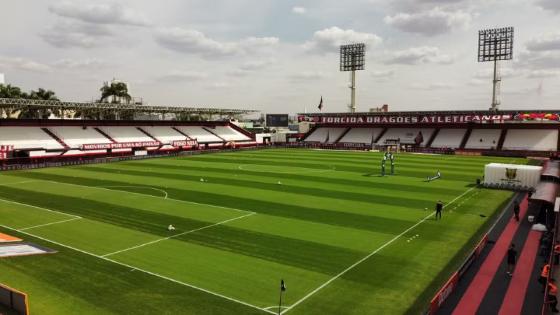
(515, 295)
(476, 291)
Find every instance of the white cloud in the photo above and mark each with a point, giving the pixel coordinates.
(76, 34)
(309, 75)
(194, 42)
(489, 73)
(543, 73)
(539, 59)
(382, 74)
(256, 64)
(299, 10)
(419, 55)
(330, 39)
(92, 63)
(433, 22)
(178, 75)
(546, 42)
(552, 5)
(432, 86)
(99, 13)
(23, 64)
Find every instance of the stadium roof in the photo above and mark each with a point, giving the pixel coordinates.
(15, 104)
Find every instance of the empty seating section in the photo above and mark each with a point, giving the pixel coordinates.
(361, 135)
(325, 135)
(125, 134)
(483, 139)
(28, 138)
(407, 135)
(198, 133)
(165, 135)
(229, 134)
(74, 137)
(531, 139)
(449, 138)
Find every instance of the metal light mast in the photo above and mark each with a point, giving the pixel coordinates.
(352, 58)
(495, 45)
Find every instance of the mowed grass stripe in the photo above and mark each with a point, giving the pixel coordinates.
(360, 221)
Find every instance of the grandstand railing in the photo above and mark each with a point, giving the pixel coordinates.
(546, 308)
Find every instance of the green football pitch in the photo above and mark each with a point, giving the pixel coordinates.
(344, 239)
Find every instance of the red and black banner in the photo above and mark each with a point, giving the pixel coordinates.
(122, 145)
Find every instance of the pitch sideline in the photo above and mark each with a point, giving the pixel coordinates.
(370, 254)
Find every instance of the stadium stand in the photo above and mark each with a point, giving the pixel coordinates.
(229, 134)
(28, 138)
(200, 134)
(531, 140)
(361, 135)
(164, 134)
(406, 135)
(125, 134)
(483, 139)
(75, 137)
(449, 138)
(325, 135)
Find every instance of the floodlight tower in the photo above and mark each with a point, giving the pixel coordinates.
(494, 45)
(352, 58)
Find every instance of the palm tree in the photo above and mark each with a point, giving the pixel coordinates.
(114, 90)
(42, 113)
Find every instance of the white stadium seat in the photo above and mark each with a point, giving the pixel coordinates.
(361, 135)
(28, 138)
(229, 134)
(198, 133)
(483, 139)
(125, 134)
(74, 137)
(531, 139)
(164, 134)
(406, 135)
(449, 138)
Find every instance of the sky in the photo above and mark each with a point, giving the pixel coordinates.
(282, 56)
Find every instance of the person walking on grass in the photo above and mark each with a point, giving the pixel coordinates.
(511, 259)
(439, 208)
(516, 210)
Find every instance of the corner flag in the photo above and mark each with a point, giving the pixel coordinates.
(282, 285)
(320, 104)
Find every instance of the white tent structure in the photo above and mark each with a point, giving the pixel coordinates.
(511, 175)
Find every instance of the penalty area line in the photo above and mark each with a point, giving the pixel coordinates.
(391, 241)
(52, 223)
(141, 270)
(177, 235)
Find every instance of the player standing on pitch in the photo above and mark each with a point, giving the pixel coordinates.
(383, 164)
(392, 157)
(439, 208)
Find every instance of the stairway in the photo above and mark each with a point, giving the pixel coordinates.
(465, 138)
(184, 134)
(147, 134)
(215, 134)
(342, 135)
(57, 138)
(432, 138)
(105, 135)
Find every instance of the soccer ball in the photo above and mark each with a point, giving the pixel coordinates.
(279, 183)
(202, 179)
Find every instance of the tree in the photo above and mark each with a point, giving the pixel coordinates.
(42, 113)
(114, 90)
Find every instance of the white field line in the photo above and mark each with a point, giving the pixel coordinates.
(177, 235)
(153, 188)
(152, 196)
(16, 183)
(332, 168)
(371, 254)
(47, 224)
(141, 270)
(40, 208)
